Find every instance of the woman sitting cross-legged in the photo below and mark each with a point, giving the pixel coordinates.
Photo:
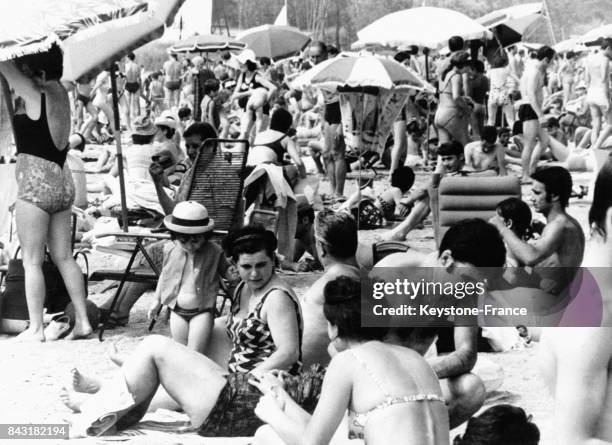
(391, 393)
(265, 327)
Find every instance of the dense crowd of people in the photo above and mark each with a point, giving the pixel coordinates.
(288, 368)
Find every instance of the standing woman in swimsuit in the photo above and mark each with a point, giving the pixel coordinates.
(566, 73)
(391, 393)
(252, 92)
(453, 113)
(100, 99)
(45, 187)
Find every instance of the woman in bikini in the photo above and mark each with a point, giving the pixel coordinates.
(253, 93)
(453, 113)
(46, 190)
(391, 393)
(265, 330)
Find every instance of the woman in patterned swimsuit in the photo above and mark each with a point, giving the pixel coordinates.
(391, 393)
(265, 326)
(45, 187)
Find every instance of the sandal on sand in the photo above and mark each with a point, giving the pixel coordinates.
(58, 328)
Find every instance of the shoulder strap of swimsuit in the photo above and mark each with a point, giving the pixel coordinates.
(447, 82)
(235, 307)
(257, 309)
(373, 376)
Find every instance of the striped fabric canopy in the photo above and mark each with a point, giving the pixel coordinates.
(368, 71)
(91, 32)
(207, 43)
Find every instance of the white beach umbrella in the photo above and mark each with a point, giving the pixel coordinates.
(593, 36)
(425, 26)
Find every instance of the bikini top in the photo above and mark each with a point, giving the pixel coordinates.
(358, 421)
(277, 147)
(33, 137)
(246, 86)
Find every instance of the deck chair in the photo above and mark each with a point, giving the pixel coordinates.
(265, 218)
(462, 197)
(218, 184)
(218, 188)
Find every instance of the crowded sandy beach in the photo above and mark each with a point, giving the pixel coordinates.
(271, 236)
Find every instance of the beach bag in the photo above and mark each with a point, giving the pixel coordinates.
(367, 215)
(56, 295)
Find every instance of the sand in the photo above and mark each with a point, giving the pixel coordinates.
(33, 374)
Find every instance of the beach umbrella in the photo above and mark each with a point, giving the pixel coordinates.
(372, 92)
(207, 43)
(425, 26)
(92, 34)
(510, 24)
(593, 37)
(370, 71)
(569, 45)
(274, 41)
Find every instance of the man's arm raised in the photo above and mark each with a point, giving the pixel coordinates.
(532, 254)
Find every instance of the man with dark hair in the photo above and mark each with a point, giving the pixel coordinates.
(561, 246)
(478, 88)
(333, 149)
(172, 69)
(470, 248)
(531, 113)
(450, 161)
(486, 154)
(132, 85)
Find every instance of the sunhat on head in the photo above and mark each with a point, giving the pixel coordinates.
(189, 218)
(166, 119)
(143, 126)
(246, 55)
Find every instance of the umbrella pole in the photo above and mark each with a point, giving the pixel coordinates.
(117, 136)
(428, 111)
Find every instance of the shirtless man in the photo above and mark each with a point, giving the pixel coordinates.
(576, 362)
(132, 84)
(598, 96)
(560, 248)
(333, 148)
(486, 154)
(172, 81)
(450, 160)
(83, 99)
(468, 245)
(336, 241)
(530, 111)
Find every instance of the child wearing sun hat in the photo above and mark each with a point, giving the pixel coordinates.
(189, 280)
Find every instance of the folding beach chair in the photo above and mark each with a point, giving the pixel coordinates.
(462, 197)
(216, 182)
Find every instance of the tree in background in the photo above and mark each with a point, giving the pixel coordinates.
(329, 18)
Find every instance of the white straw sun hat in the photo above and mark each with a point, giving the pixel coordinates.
(189, 218)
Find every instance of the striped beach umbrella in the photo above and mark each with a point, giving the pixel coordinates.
(90, 32)
(207, 43)
(368, 71)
